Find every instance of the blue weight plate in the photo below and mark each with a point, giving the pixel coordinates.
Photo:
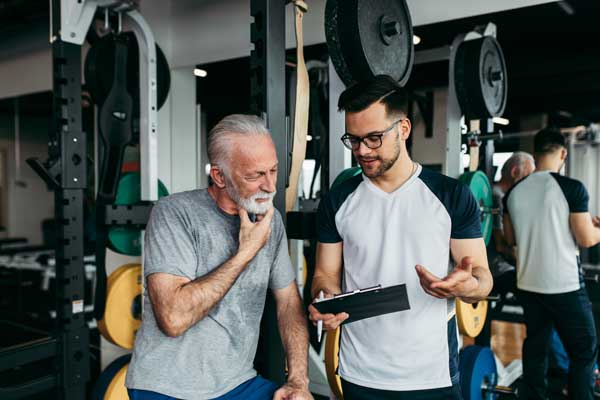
(477, 365)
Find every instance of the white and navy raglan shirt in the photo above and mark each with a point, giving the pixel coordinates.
(384, 236)
(547, 253)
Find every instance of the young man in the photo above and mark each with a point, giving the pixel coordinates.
(207, 268)
(546, 216)
(397, 223)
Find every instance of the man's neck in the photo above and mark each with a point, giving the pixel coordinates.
(396, 176)
(547, 164)
(504, 185)
(223, 200)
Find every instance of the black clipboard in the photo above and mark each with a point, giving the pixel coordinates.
(366, 303)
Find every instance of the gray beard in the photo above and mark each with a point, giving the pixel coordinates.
(250, 204)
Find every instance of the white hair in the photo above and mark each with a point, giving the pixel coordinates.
(219, 146)
(518, 159)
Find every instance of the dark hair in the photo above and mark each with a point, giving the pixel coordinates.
(382, 88)
(548, 140)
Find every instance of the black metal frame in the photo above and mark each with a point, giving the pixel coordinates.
(69, 344)
(267, 88)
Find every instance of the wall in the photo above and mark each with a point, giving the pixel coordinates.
(431, 150)
(26, 205)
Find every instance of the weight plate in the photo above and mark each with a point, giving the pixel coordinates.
(345, 175)
(367, 38)
(333, 43)
(477, 366)
(332, 361)
(480, 186)
(470, 318)
(99, 71)
(107, 379)
(122, 315)
(480, 78)
(116, 389)
(127, 240)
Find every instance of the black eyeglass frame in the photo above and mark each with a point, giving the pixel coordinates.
(347, 138)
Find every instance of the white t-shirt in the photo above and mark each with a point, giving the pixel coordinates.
(384, 236)
(547, 253)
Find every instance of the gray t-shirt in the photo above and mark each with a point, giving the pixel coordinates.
(189, 235)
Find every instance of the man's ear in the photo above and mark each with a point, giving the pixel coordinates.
(563, 154)
(217, 176)
(405, 128)
(514, 172)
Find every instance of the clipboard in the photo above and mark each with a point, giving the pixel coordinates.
(366, 303)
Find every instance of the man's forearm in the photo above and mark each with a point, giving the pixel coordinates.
(192, 301)
(326, 283)
(484, 277)
(294, 336)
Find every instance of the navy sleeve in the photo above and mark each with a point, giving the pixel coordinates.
(575, 193)
(326, 230)
(459, 201)
(465, 215)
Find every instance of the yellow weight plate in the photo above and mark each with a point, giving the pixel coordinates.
(471, 317)
(110, 281)
(122, 316)
(116, 389)
(332, 360)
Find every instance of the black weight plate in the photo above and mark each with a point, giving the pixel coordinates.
(99, 70)
(333, 43)
(492, 71)
(480, 78)
(369, 38)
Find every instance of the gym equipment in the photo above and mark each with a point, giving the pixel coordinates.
(123, 239)
(300, 111)
(367, 38)
(123, 312)
(99, 71)
(481, 188)
(345, 175)
(480, 78)
(332, 360)
(478, 374)
(115, 125)
(111, 382)
(470, 318)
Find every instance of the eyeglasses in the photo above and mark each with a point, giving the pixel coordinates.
(373, 140)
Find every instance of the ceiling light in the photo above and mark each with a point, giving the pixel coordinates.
(200, 72)
(416, 40)
(501, 121)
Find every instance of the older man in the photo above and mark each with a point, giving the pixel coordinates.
(501, 255)
(210, 256)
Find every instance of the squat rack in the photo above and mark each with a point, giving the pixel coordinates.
(65, 172)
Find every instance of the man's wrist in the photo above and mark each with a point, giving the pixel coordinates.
(299, 381)
(244, 256)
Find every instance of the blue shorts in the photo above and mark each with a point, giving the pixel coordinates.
(257, 388)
